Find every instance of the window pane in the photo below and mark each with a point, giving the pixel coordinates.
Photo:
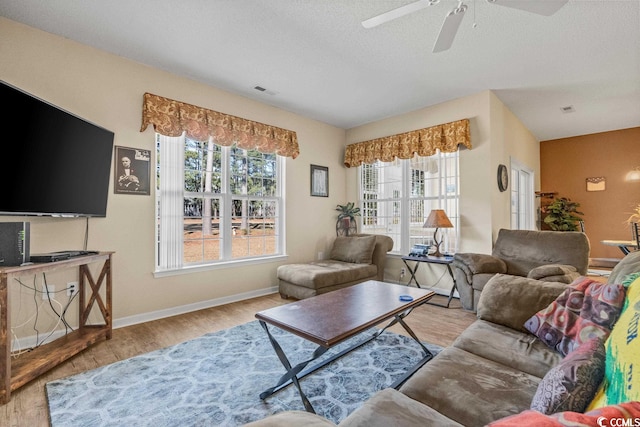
(429, 182)
(201, 230)
(254, 230)
(215, 193)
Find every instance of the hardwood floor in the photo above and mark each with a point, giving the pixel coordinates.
(28, 405)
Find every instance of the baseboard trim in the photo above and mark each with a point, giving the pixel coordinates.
(603, 262)
(188, 308)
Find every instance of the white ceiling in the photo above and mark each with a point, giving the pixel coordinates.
(315, 58)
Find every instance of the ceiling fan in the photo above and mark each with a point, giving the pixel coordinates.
(454, 18)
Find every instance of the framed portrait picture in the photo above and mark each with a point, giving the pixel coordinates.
(319, 181)
(132, 171)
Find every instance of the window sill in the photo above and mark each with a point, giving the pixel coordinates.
(219, 265)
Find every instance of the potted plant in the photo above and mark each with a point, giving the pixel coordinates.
(346, 223)
(563, 215)
(635, 216)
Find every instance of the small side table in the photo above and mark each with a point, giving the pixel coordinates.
(446, 260)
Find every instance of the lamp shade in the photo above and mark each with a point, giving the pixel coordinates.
(437, 219)
(633, 176)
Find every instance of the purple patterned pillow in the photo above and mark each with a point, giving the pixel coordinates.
(573, 383)
(587, 309)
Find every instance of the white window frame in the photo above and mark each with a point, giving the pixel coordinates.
(396, 222)
(170, 230)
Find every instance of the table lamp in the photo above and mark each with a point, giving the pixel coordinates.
(437, 219)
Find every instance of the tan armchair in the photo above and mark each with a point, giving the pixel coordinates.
(552, 256)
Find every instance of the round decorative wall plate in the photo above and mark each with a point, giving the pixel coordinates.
(503, 178)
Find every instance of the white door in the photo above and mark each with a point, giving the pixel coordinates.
(522, 197)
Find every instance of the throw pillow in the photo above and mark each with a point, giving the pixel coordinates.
(626, 414)
(354, 249)
(622, 370)
(587, 309)
(570, 385)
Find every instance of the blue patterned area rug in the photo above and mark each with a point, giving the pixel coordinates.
(217, 379)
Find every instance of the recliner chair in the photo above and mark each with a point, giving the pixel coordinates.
(553, 256)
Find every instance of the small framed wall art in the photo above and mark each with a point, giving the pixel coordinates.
(132, 171)
(319, 181)
(597, 183)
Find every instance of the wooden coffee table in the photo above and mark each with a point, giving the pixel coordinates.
(331, 318)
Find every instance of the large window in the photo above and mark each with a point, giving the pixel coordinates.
(396, 199)
(216, 204)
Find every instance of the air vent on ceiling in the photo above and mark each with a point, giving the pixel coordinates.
(265, 90)
(568, 109)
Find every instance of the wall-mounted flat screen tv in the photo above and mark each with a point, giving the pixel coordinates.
(54, 163)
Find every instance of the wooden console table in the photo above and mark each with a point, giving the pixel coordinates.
(15, 374)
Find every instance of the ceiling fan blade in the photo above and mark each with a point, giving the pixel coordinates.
(541, 7)
(449, 28)
(397, 13)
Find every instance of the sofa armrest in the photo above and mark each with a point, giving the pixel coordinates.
(472, 264)
(554, 273)
(511, 300)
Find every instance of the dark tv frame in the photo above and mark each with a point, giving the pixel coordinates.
(54, 123)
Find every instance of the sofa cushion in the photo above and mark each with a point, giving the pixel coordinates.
(389, 407)
(571, 384)
(587, 309)
(622, 371)
(469, 389)
(353, 249)
(518, 350)
(511, 300)
(625, 412)
(321, 274)
(523, 250)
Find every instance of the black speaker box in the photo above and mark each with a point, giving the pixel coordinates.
(14, 243)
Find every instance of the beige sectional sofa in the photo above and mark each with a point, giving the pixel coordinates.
(353, 259)
(491, 371)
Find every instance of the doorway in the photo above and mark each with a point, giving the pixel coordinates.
(522, 197)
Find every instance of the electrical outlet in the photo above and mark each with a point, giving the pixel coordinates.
(50, 289)
(403, 271)
(72, 288)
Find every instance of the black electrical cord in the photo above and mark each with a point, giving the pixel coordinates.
(60, 316)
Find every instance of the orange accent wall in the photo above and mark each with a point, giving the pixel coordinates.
(566, 163)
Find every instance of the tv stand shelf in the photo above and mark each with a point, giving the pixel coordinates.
(14, 374)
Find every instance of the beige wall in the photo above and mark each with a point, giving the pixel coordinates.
(568, 162)
(496, 136)
(107, 90)
(511, 140)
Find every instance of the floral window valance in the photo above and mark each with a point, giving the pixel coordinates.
(171, 118)
(424, 142)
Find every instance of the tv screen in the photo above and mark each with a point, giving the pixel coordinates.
(55, 163)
